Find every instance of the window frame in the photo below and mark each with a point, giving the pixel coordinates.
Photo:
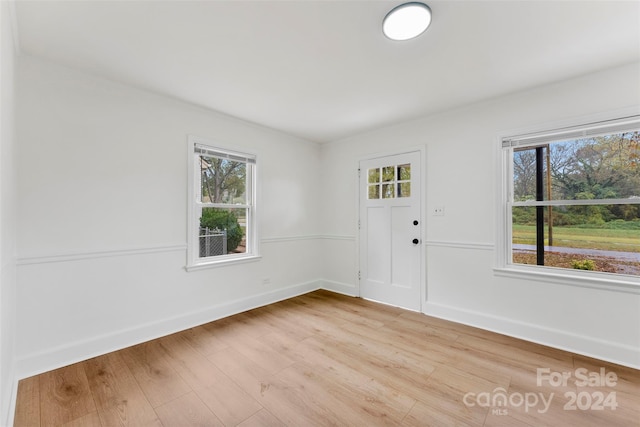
(533, 137)
(195, 146)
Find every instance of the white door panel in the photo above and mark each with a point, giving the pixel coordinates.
(391, 229)
(378, 267)
(401, 264)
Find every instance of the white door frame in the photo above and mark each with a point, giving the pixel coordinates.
(423, 216)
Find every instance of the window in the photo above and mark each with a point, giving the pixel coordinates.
(221, 205)
(571, 199)
(389, 182)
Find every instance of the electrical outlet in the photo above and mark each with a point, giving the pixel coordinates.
(438, 211)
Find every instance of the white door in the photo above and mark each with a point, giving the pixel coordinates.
(390, 230)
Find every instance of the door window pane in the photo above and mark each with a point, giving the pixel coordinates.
(404, 189)
(388, 173)
(374, 192)
(388, 191)
(404, 172)
(374, 175)
(396, 181)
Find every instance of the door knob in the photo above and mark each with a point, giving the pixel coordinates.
(416, 241)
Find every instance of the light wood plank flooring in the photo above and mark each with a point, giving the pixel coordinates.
(326, 359)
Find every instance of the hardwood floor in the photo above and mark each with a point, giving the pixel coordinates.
(327, 359)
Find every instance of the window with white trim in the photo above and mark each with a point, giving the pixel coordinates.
(221, 205)
(571, 199)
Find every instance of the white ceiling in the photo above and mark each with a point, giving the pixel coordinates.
(323, 70)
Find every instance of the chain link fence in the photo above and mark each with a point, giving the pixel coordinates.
(212, 242)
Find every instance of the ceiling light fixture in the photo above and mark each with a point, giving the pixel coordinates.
(406, 21)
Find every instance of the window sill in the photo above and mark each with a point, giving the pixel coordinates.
(594, 280)
(222, 262)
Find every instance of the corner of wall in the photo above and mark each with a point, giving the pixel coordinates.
(339, 287)
(8, 383)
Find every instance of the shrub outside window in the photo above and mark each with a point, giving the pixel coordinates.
(222, 205)
(572, 199)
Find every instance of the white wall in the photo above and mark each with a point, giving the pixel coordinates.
(102, 223)
(462, 170)
(7, 217)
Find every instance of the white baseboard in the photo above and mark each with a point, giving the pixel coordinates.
(579, 344)
(67, 354)
(340, 287)
(8, 406)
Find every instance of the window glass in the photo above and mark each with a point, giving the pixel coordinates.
(223, 181)
(222, 220)
(396, 182)
(576, 204)
(223, 229)
(374, 192)
(374, 175)
(404, 172)
(388, 191)
(604, 167)
(404, 189)
(388, 173)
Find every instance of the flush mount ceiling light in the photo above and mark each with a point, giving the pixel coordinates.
(406, 21)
